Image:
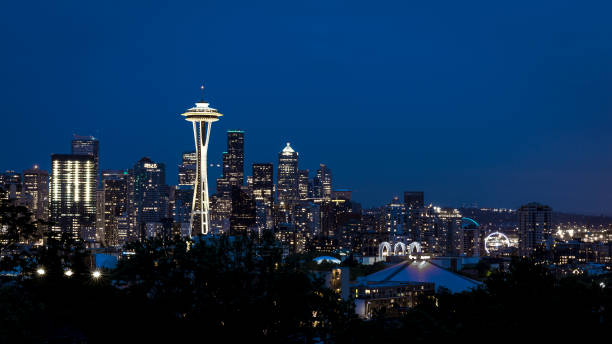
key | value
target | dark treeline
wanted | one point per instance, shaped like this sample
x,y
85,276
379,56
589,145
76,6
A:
x,y
174,290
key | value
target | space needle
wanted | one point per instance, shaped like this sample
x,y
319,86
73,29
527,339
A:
x,y
201,116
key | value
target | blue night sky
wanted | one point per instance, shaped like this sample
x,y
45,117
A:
x,y
499,103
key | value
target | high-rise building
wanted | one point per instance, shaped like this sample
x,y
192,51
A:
x,y
115,191
148,196
303,184
448,231
202,116
324,177
36,189
535,227
287,176
73,195
263,183
243,215
187,169
414,199
234,171
263,193
183,194
472,238
395,215
87,145
224,188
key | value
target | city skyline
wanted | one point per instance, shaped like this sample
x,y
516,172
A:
x,y
538,135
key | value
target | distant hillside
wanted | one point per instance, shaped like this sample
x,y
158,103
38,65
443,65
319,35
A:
x,y
505,219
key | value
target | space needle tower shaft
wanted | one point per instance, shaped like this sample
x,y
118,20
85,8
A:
x,y
201,116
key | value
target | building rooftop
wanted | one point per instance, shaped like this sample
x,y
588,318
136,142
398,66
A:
x,y
423,271
288,149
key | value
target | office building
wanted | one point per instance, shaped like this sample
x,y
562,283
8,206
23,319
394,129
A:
x,y
243,217
115,200
36,191
263,183
73,195
187,169
234,171
148,196
303,184
87,145
287,176
324,177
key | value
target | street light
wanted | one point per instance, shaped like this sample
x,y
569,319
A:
x,y
40,271
68,273
96,274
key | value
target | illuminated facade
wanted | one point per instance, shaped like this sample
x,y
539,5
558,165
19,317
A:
x,y
201,116
263,183
87,145
287,183
73,195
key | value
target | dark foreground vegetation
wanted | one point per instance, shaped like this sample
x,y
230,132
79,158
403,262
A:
x,y
224,289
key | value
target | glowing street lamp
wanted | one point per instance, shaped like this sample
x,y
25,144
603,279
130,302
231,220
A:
x,y
68,273
40,271
96,274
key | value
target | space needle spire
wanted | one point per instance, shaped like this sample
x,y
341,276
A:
x,y
201,116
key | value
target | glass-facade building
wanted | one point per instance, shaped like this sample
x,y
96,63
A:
x,y
73,195
287,176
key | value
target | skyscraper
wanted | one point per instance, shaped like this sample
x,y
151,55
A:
x,y
287,176
187,169
324,176
243,214
36,189
149,196
303,184
73,195
263,194
395,215
263,183
87,145
202,116
115,189
535,227
234,171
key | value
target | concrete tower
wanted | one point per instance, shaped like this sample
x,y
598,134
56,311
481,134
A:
x,y
201,116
